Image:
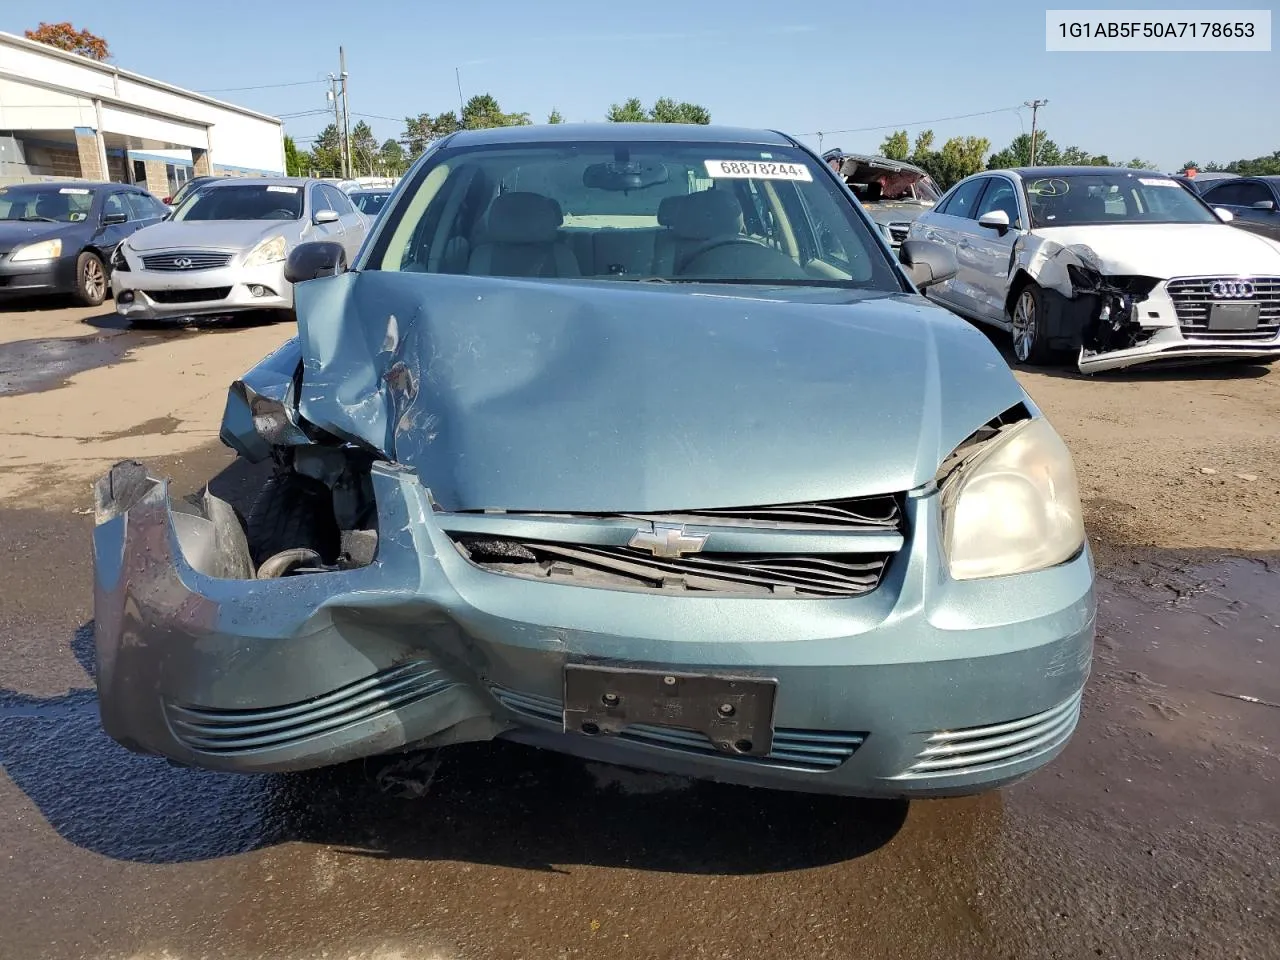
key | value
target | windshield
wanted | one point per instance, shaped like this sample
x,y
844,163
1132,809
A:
x,y
51,204
1102,198
369,202
247,201
673,211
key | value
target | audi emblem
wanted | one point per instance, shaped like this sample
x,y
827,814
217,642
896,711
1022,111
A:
x,y
1231,289
183,263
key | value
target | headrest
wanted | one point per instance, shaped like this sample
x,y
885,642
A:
x,y
523,218
54,205
872,192
702,215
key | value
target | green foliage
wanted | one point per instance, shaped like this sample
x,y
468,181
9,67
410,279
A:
x,y
664,110
392,159
296,163
554,116
896,146
424,129
1257,167
326,153
482,111
364,149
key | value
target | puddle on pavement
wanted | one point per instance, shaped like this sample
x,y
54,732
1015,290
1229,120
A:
x,y
33,366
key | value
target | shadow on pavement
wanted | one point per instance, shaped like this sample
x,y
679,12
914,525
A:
x,y
491,803
231,321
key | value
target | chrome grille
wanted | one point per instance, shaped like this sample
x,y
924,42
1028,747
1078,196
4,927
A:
x,y
974,749
813,750
1192,299
186,260
211,730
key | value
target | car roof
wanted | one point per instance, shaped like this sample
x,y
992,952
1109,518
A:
x,y
265,181
1039,173
628,132
70,184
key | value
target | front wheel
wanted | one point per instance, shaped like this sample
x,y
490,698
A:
x,y
91,280
1030,336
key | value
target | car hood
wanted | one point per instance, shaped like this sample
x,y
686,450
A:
x,y
1164,250
614,397
15,233
215,234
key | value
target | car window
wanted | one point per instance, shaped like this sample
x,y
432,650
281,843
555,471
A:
x,y
59,204
1001,195
672,210
1103,198
1234,193
338,201
242,201
320,199
964,200
114,205
370,203
140,206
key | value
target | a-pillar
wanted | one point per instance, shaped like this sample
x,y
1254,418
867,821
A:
x,y
90,154
202,162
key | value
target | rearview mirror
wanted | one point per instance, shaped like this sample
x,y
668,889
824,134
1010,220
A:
x,y
311,261
994,220
325,216
620,175
113,218
927,263
1264,205
1226,216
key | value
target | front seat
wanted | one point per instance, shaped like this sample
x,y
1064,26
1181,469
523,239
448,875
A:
x,y
691,221
55,206
521,238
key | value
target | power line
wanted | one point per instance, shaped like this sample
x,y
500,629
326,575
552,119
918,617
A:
x,y
263,86
914,123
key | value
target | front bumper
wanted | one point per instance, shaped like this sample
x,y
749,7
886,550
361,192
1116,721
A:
x,y
926,686
34,278
158,295
1168,345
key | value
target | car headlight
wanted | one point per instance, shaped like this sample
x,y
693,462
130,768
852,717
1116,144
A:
x,y
44,250
118,262
1014,506
270,250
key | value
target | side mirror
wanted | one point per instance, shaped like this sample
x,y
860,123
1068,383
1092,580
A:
x,y
927,263
311,261
325,216
1264,205
113,218
1226,216
994,220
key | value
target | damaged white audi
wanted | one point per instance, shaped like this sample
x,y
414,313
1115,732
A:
x,y
1116,268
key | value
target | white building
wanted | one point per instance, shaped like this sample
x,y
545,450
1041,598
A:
x,y
64,115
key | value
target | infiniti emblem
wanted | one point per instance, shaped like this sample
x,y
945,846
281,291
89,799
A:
x,y
667,540
1231,289
182,263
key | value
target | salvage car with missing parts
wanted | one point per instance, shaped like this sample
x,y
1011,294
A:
x,y
633,442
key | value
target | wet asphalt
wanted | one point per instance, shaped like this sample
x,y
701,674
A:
x,y
1156,834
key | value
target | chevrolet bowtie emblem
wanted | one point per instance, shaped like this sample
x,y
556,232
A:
x,y
667,540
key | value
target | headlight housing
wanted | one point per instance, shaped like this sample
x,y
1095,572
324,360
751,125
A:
x,y
1013,506
270,250
41,250
118,263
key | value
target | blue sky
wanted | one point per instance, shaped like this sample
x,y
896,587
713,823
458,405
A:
x,y
765,63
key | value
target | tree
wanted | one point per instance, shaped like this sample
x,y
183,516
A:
x,y
554,116
1257,167
364,148
296,163
482,111
924,145
326,152
896,146
392,158
1018,153
664,110
66,37
421,131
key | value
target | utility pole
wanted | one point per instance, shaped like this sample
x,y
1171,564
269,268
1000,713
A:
x,y
1034,105
349,163
458,77
337,121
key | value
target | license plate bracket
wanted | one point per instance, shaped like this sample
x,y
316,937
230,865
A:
x,y
1233,316
734,713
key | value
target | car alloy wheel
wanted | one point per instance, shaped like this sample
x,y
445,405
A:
x,y
1025,326
93,280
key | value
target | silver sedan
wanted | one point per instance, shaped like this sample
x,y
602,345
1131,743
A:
x,y
223,250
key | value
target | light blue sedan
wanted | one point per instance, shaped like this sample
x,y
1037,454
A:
x,y
632,442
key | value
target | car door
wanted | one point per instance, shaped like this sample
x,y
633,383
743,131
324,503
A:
x,y
113,223
354,225
952,224
144,210
333,230
1253,205
990,249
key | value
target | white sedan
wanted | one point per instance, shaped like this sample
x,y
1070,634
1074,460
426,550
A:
x,y
1116,267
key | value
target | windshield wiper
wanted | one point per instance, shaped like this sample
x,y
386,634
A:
x,y
39,219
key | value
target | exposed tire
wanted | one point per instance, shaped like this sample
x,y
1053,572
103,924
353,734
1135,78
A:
x,y
1030,338
91,280
293,512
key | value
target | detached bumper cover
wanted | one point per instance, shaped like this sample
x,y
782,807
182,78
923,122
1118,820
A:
x,y
923,687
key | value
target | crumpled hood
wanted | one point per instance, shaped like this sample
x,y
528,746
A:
x,y
615,397
16,233
213,234
896,211
1164,250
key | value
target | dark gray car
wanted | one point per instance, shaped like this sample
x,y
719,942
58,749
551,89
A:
x,y
1254,202
893,192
